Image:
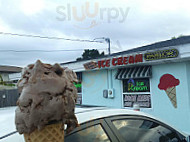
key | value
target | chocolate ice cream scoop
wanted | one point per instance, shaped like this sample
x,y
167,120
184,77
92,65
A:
x,y
47,94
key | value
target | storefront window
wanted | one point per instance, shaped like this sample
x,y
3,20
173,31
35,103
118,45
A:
x,y
78,85
79,92
137,91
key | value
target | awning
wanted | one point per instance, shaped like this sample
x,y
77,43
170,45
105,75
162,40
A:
x,y
134,72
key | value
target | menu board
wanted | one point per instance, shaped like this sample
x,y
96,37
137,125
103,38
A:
x,y
143,100
136,85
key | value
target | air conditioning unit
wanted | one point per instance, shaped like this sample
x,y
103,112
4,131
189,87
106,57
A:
x,y
110,93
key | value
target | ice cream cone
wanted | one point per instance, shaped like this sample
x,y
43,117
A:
x,y
171,92
51,133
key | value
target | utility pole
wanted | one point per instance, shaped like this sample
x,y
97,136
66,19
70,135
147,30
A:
x,y
109,71
108,41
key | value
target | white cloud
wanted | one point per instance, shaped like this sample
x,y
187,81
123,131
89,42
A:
x,y
30,7
157,6
147,22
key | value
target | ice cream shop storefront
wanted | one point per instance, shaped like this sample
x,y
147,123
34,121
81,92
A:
x,y
157,79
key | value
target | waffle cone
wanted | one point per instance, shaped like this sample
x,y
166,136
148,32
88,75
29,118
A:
x,y
51,133
171,92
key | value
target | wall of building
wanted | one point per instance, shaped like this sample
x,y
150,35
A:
x,y
93,84
162,107
188,80
14,76
5,76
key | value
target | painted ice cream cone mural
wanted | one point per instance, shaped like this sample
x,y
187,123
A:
x,y
168,83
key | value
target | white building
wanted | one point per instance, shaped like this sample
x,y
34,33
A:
x,y
9,75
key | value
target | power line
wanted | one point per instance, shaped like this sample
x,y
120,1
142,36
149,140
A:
x,y
46,50
54,38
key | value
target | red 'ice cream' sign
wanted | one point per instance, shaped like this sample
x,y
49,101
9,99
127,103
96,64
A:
x,y
120,61
116,61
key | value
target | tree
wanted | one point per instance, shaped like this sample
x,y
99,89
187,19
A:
x,y
181,35
90,54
